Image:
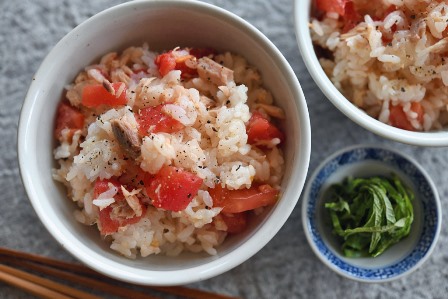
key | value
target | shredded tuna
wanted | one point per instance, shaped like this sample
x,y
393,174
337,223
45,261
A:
x,y
127,137
108,86
132,200
212,71
271,110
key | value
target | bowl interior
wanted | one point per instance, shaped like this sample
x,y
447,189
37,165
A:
x,y
162,25
302,11
402,257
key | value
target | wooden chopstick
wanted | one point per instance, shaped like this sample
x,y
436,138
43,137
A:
x,y
191,293
62,289
30,287
43,264
48,261
77,279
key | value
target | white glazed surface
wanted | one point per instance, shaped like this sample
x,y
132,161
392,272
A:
x,y
368,168
132,24
302,16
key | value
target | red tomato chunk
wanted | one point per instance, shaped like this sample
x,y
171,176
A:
x,y
337,6
398,118
236,223
237,201
344,8
351,17
152,119
170,60
96,95
68,117
102,186
258,128
172,188
110,222
166,63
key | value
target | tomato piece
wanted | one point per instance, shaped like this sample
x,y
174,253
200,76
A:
x,y
165,62
68,117
236,222
172,188
109,222
351,17
102,186
96,95
337,6
398,118
169,61
152,119
186,72
344,8
237,201
106,224
259,128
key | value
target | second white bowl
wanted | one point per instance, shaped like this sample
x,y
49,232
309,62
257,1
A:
x,y
302,14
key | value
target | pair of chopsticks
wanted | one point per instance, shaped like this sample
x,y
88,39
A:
x,y
14,267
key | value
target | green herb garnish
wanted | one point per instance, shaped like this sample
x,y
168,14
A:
x,y
370,214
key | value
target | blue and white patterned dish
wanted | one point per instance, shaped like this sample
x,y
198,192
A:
x,y
364,161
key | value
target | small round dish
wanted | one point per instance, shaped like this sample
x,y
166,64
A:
x,y
366,161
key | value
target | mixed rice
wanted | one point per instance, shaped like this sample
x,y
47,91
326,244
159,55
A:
x,y
168,152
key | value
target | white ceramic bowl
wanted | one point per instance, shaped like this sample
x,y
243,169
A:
x,y
302,17
366,161
163,25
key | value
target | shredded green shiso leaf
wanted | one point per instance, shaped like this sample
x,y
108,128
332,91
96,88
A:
x,y
370,214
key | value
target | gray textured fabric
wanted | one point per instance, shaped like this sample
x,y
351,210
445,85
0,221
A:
x,y
286,267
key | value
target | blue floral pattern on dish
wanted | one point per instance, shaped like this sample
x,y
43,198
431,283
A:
x,y
430,219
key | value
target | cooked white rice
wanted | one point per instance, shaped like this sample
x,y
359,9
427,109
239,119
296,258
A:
x,y
395,55
213,145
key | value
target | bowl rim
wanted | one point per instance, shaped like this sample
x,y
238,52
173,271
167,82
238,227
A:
x,y
302,11
223,263
306,220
